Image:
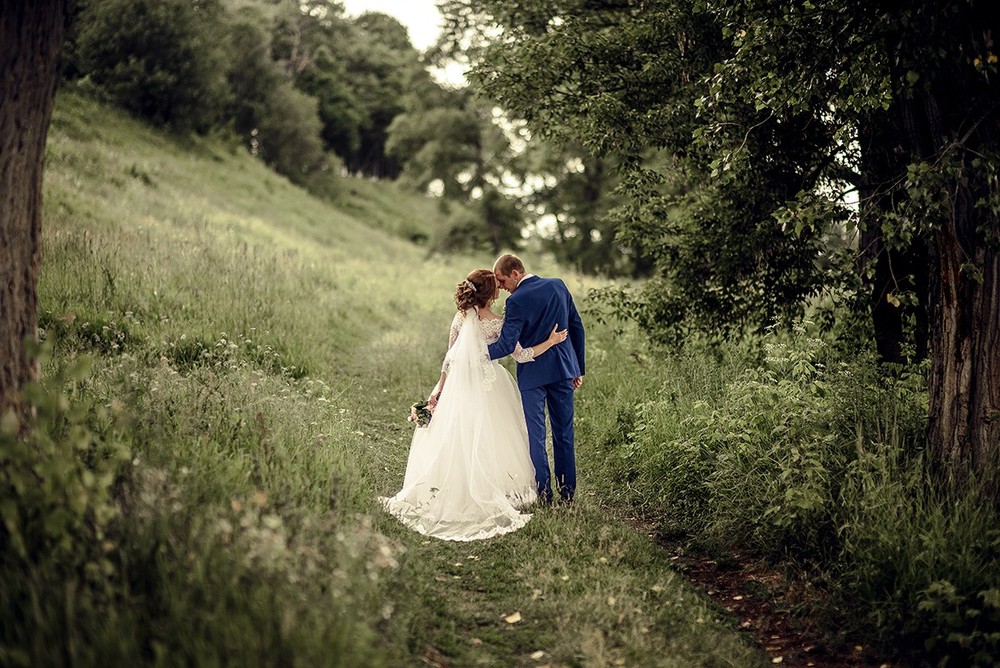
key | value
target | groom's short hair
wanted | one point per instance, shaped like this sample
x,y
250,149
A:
x,y
508,263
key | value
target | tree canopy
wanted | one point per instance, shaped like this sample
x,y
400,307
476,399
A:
x,y
771,154
305,87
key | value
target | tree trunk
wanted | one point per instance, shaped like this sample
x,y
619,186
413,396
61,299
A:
x,y
889,272
953,124
31,37
887,316
964,426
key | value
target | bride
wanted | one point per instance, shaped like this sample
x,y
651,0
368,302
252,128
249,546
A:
x,y
469,472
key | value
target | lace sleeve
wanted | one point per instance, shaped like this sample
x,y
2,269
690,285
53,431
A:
x,y
456,326
523,355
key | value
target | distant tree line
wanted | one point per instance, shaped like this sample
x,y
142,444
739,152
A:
x,y
303,86
313,92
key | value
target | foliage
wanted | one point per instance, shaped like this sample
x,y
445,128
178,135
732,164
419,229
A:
x,y
259,442
56,536
265,348
962,625
359,71
73,450
305,88
757,142
570,206
275,120
630,88
921,560
813,459
342,115
161,60
288,134
453,141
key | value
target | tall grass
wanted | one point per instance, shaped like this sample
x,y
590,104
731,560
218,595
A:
x,y
227,368
815,462
230,364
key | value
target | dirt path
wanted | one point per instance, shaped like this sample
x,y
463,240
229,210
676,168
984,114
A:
x,y
771,611
768,609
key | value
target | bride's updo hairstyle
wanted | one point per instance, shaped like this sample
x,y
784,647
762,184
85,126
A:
x,y
478,289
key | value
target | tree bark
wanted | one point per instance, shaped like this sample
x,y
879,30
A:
x,y
964,425
31,37
953,123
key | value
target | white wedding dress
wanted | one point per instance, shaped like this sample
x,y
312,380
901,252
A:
x,y
469,471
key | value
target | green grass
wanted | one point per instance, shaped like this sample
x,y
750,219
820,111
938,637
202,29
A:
x,y
260,349
815,463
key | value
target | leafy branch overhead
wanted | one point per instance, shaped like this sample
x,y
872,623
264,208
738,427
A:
x,y
778,157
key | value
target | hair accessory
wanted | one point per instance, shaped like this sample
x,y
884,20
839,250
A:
x,y
470,284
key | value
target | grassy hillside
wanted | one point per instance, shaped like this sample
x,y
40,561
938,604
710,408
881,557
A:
x,y
254,353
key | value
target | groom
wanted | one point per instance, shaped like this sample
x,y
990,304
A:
x,y
533,307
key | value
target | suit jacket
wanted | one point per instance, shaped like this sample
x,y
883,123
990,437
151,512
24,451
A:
x,y
535,306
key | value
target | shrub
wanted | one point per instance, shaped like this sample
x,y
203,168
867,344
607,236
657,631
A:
x,y
755,465
288,133
818,462
159,59
918,565
56,508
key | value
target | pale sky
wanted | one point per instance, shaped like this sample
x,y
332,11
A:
x,y
421,17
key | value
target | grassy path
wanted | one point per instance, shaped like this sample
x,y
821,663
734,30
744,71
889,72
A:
x,y
265,347
576,586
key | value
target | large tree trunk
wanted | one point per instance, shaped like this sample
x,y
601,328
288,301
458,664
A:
x,y
953,124
879,168
31,36
964,427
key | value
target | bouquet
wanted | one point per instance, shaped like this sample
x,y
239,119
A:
x,y
420,414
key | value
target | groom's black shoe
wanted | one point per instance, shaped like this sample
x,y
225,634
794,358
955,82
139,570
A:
x,y
566,495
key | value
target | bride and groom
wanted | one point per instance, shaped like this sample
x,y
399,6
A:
x,y
482,458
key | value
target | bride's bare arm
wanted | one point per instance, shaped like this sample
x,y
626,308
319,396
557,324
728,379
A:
x,y
432,398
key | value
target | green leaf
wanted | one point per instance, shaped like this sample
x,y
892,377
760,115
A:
x,y
991,598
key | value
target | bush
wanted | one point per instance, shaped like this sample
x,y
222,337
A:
x,y
159,59
777,464
108,559
755,466
287,136
56,510
818,463
919,564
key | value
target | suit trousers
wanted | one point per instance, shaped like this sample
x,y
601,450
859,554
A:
x,y
558,398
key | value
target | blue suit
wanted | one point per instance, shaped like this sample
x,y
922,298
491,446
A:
x,y
532,310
